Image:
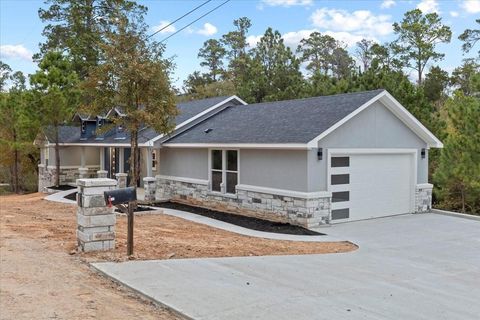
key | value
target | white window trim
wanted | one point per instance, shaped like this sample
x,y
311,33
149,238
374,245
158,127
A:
x,y
224,171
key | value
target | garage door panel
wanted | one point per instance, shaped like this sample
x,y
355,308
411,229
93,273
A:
x,y
380,185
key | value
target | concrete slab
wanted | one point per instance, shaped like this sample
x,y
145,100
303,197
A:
x,y
408,267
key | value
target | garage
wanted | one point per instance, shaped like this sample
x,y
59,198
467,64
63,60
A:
x,y
371,183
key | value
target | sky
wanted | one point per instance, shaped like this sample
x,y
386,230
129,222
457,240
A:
x,y
348,21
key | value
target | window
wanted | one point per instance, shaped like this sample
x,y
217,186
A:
x,y
154,160
340,214
217,170
224,170
84,126
340,162
340,179
232,170
340,196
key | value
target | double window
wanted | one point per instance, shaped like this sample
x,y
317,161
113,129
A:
x,y
224,170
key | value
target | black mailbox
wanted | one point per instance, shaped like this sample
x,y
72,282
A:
x,y
120,196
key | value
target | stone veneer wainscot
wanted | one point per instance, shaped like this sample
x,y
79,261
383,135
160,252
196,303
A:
x,y
306,210
68,176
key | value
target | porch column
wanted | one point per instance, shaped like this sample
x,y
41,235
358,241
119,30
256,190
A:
x,y
121,160
82,157
102,158
149,162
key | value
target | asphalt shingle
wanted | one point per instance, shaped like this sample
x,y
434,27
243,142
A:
x,y
292,121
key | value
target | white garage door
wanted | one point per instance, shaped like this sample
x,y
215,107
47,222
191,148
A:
x,y
368,186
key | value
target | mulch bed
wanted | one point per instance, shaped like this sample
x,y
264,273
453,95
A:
x,y
242,221
62,187
71,196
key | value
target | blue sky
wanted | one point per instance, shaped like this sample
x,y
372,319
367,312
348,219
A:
x,y
349,21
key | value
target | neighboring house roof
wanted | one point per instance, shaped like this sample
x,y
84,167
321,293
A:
x,y
296,123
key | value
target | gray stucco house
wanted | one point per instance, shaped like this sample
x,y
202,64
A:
x,y
309,161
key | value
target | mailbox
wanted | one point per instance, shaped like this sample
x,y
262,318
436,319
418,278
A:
x,y
120,196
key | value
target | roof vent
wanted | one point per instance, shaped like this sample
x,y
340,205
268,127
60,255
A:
x,y
207,130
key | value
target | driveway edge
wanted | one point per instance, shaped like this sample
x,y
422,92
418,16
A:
x,y
456,214
139,293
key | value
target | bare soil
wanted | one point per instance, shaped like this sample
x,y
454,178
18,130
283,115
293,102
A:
x,y
43,277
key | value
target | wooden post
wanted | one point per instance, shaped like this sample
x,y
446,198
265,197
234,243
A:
x,y
130,215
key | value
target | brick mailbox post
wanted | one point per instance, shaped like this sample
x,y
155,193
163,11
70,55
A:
x,y
95,221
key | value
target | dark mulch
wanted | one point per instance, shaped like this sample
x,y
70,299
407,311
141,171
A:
x,y
242,221
62,187
71,196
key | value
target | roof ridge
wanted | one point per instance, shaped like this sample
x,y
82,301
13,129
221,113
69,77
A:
x,y
316,97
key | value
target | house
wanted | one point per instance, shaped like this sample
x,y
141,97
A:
x,y
309,161
84,152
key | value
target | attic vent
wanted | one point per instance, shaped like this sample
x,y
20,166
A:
x,y
208,130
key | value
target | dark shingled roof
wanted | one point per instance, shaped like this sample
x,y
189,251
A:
x,y
187,109
292,121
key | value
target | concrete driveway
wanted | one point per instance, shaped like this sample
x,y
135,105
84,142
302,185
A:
x,y
408,267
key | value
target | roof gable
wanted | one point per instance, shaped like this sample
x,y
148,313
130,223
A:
x,y
281,122
397,109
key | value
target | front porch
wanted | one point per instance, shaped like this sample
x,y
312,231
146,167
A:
x,y
91,162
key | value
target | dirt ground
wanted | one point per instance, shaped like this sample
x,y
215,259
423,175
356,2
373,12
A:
x,y
42,276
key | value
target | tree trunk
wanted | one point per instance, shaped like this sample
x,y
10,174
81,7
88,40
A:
x,y
134,159
57,158
15,163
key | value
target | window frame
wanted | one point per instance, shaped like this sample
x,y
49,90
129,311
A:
x,y
154,160
224,170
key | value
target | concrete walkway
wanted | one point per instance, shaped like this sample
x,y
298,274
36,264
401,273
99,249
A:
x,y
408,267
60,196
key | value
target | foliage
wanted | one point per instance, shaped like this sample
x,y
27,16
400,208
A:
x,y
418,34
457,176
470,37
55,95
133,77
77,28
212,54
18,127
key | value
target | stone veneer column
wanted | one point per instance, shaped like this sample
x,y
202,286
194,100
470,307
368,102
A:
x,y
122,180
150,188
95,221
423,197
102,174
82,173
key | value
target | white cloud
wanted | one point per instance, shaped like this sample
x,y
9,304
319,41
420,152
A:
x,y
361,22
428,6
387,4
18,51
471,6
287,3
348,38
454,14
208,29
163,24
293,38
253,40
